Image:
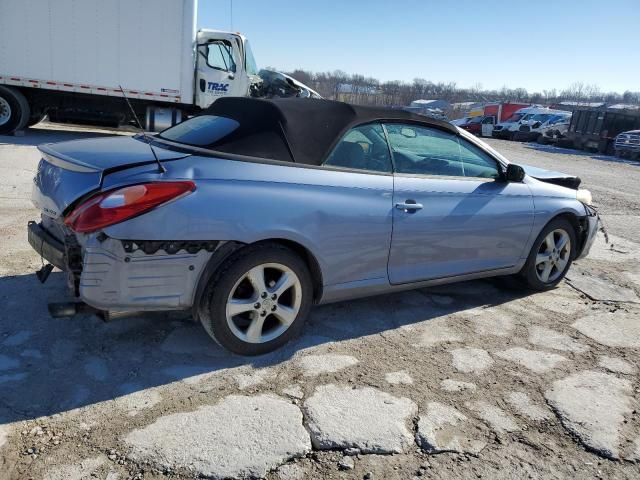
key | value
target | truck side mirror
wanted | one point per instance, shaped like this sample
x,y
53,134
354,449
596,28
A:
x,y
515,173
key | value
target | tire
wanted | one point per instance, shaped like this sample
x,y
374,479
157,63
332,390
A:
x,y
533,273
542,140
14,110
264,324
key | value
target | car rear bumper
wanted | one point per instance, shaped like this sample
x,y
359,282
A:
x,y
46,245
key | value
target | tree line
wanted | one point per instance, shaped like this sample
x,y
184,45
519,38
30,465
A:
x,y
361,90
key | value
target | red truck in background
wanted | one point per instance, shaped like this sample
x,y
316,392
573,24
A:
x,y
493,114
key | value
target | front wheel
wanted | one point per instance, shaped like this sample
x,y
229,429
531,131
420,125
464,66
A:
x,y
551,256
259,300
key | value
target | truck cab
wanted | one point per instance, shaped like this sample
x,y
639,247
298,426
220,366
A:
x,y
225,67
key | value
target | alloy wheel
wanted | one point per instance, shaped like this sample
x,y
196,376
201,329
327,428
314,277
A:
x,y
5,111
553,256
264,303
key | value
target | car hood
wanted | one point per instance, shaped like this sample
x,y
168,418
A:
x,y
550,176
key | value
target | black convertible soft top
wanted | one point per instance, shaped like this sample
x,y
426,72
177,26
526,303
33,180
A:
x,y
308,128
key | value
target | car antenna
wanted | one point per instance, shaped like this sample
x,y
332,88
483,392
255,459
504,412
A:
x,y
144,135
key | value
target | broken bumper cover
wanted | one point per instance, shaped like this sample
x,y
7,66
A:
x,y
593,221
114,279
47,246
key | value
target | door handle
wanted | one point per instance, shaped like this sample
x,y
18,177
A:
x,y
409,206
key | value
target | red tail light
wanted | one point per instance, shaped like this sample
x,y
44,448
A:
x,y
115,206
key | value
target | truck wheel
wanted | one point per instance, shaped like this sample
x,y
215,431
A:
x,y
14,110
258,300
551,256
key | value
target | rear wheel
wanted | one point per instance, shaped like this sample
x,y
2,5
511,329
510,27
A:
x,y
551,256
259,300
14,110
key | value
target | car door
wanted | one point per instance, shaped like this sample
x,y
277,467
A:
x,y
219,71
487,126
453,213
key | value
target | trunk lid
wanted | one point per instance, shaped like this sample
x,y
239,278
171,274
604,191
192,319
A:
x,y
70,170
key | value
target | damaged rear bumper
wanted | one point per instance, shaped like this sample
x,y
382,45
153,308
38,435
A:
x,y
592,222
46,245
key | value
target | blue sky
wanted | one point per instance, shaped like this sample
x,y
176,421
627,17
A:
x,y
536,44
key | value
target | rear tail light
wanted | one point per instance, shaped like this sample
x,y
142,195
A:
x,y
115,206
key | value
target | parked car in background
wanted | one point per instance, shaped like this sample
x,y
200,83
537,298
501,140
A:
x,y
556,133
473,125
538,124
627,145
253,211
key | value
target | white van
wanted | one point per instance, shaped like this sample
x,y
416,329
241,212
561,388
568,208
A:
x,y
538,124
512,124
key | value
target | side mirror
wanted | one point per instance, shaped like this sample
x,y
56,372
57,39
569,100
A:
x,y
515,173
536,125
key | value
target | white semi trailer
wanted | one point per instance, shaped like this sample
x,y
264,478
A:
x,y
68,59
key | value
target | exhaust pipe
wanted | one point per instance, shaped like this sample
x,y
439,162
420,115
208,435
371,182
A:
x,y
69,309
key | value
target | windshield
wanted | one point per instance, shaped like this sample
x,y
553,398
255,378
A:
x,y
541,117
250,62
476,119
516,117
201,131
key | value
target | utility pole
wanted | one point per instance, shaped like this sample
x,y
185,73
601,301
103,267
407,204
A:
x,y
231,15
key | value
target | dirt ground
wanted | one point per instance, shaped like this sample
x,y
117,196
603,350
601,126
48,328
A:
x,y
474,380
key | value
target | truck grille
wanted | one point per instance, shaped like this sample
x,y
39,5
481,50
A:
x,y
628,141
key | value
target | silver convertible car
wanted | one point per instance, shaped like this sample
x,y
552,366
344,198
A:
x,y
257,209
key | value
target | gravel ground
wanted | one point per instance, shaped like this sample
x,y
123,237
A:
x,y
475,380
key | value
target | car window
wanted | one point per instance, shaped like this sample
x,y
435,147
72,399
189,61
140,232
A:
x,y
201,131
429,151
362,148
219,56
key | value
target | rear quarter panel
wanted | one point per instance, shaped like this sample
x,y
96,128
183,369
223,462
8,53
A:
x,y
342,218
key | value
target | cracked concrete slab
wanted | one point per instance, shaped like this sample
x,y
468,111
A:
x,y
601,289
444,429
340,417
240,436
522,404
616,365
618,329
499,420
490,322
545,337
534,360
313,365
593,406
438,331
471,360
400,377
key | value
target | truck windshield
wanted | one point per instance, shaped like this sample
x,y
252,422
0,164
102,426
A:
x,y
250,62
516,117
